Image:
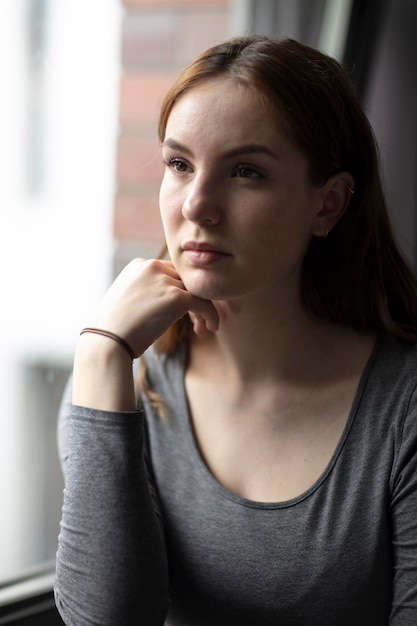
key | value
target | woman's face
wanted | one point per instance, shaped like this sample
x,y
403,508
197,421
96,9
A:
x,y
236,201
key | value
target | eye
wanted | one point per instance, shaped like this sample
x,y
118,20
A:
x,y
246,171
176,164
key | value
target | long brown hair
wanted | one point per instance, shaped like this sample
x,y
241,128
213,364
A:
x,y
357,275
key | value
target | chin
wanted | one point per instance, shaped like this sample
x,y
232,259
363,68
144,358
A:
x,y
209,290
204,287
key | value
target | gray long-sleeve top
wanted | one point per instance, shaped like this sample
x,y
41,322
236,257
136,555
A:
x,y
139,540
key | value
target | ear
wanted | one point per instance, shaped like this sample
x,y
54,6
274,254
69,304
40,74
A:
x,y
336,195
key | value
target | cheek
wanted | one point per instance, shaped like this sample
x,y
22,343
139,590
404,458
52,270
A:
x,y
282,239
163,197
169,207
171,218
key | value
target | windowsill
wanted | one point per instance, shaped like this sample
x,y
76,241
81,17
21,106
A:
x,y
34,583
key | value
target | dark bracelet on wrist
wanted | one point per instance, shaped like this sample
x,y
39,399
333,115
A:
x,y
110,335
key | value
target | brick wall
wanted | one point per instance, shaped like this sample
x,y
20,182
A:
x,y
159,37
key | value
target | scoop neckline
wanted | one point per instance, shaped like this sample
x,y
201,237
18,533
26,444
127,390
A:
x,y
205,472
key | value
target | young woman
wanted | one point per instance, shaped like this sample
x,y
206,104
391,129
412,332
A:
x,y
262,469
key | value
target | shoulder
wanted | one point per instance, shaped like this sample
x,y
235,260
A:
x,y
395,361
164,373
397,389
387,395
390,384
161,365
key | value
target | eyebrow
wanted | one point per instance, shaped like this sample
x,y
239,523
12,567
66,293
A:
x,y
251,148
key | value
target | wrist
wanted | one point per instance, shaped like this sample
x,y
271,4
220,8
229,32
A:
x,y
110,335
103,375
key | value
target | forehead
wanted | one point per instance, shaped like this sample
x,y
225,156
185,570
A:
x,y
224,107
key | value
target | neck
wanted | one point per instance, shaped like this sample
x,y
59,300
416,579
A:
x,y
279,342
271,340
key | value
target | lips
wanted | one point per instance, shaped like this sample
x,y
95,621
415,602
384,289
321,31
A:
x,y
201,246
201,253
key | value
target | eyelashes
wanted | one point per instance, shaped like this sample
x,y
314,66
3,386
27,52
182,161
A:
x,y
176,164
248,172
180,166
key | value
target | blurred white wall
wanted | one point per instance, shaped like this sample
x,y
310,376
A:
x,y
58,119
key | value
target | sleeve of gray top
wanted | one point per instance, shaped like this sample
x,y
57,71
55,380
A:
x,y
111,561
403,512
62,433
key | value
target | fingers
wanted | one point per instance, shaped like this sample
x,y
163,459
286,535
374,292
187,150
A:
x,y
146,298
205,322
206,317
199,325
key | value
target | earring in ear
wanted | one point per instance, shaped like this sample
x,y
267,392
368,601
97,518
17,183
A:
x,y
352,191
326,233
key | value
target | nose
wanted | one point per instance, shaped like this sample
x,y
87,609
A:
x,y
201,203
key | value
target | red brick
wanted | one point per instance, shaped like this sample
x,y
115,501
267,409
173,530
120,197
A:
x,y
200,30
140,98
148,40
138,218
138,160
158,38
